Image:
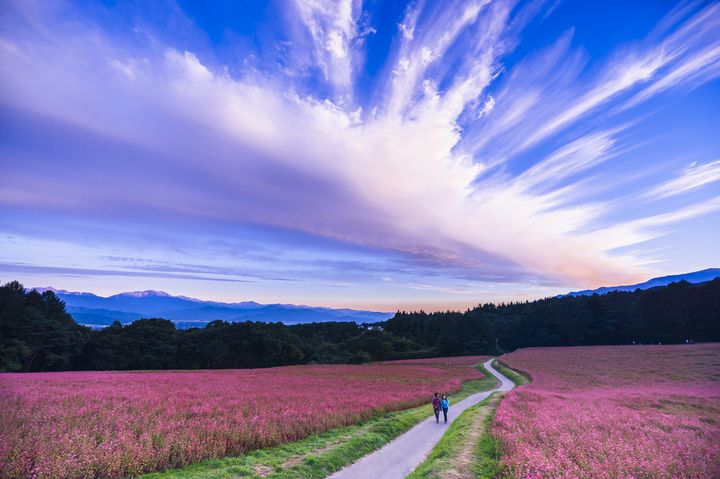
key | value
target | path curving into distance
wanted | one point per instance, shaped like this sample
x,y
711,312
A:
x,y
401,456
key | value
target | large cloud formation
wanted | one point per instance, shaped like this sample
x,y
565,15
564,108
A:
x,y
454,158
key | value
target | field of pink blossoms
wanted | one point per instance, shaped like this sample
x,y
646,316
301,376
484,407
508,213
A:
x,y
625,412
118,424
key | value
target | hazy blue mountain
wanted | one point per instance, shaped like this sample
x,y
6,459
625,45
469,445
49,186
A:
x,y
98,311
695,277
100,317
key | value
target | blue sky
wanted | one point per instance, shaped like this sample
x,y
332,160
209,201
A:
x,y
382,155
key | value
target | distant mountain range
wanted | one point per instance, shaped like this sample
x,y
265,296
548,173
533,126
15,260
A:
x,y
695,277
97,311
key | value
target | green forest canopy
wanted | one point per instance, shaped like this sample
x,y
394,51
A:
x,y
37,334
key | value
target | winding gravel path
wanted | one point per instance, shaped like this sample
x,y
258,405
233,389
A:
x,y
400,457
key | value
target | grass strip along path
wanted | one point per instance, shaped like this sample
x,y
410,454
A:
x,y
468,450
401,456
319,455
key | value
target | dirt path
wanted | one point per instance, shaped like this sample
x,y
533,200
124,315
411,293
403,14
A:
x,y
400,457
461,464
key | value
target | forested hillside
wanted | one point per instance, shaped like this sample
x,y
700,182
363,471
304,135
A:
x,y
37,334
669,314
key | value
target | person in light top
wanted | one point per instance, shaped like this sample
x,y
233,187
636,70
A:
x,y
445,404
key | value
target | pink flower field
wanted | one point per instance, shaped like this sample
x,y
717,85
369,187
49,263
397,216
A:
x,y
118,424
625,412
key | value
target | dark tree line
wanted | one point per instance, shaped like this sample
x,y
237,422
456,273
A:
x,y
37,334
156,344
670,314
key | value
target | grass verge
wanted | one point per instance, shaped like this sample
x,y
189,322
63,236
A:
x,y
487,452
456,455
319,455
468,449
518,377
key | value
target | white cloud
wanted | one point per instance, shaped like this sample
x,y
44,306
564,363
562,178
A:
x,y
487,107
688,56
693,177
569,160
699,68
401,179
429,42
130,68
332,26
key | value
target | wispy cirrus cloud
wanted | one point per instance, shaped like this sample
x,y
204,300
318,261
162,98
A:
x,y
333,27
14,268
693,177
463,163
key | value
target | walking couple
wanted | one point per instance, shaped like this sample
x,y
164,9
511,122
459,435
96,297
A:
x,y
439,404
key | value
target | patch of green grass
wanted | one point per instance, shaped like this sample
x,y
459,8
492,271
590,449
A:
x,y
519,378
487,451
485,458
319,455
445,453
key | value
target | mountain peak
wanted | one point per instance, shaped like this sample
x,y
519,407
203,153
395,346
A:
x,y
187,312
144,294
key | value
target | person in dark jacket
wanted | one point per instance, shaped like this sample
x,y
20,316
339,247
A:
x,y
445,404
437,405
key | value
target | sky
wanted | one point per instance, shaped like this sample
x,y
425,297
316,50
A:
x,y
377,154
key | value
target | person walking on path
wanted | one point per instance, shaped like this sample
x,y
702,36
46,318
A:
x,y
445,404
436,404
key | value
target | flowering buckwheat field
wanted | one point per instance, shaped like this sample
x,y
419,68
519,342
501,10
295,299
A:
x,y
116,424
627,412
